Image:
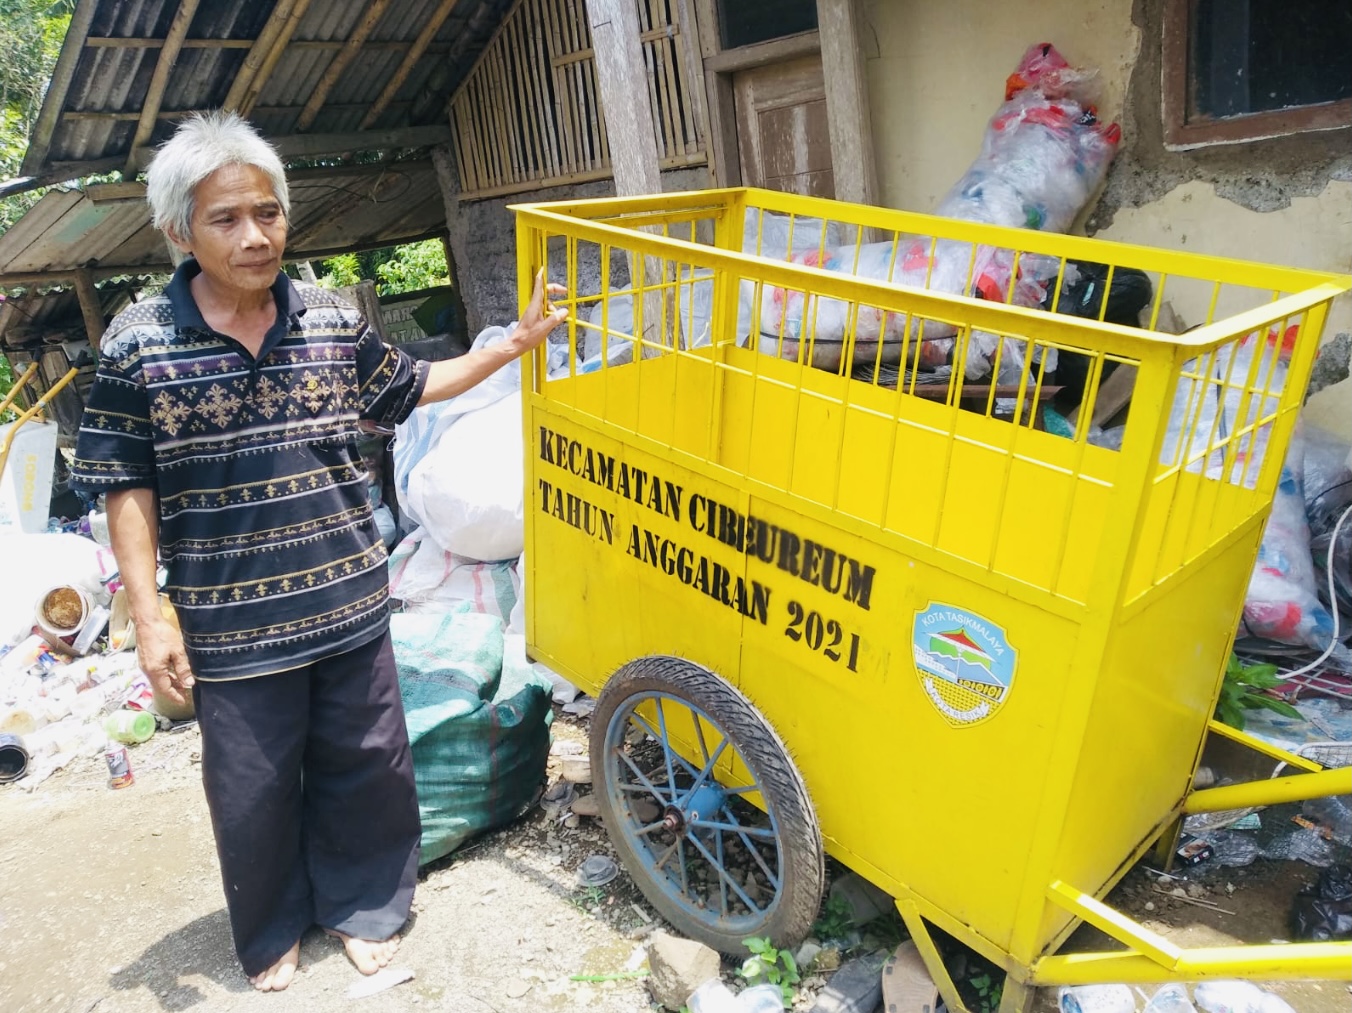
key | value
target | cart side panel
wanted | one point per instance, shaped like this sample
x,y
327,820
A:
x,y
1154,696
905,780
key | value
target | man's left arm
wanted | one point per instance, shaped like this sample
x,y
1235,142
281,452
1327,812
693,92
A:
x,y
447,378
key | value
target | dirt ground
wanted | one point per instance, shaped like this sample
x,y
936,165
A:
x,y
110,901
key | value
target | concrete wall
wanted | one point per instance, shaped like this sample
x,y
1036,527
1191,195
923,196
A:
x,y
483,240
936,72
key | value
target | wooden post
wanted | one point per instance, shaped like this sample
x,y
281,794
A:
x,y
847,106
623,81
624,90
90,307
458,259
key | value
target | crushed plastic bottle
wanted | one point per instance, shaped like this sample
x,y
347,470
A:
x,y
712,997
1171,998
1096,999
1238,997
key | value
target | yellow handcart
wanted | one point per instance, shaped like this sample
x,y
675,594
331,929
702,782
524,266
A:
x,y
803,514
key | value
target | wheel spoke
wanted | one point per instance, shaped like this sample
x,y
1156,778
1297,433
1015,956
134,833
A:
x,y
722,886
699,734
646,783
685,873
644,831
666,745
735,828
708,769
755,852
725,876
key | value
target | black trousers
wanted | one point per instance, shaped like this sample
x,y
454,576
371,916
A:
x,y
309,780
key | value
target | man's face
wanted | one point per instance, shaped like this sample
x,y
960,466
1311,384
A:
x,y
238,229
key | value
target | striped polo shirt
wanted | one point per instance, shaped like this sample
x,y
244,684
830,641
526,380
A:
x,y
265,527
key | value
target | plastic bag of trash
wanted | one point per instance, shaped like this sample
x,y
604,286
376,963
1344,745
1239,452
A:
x,y
1325,912
416,436
1282,601
479,729
428,579
1223,392
1043,154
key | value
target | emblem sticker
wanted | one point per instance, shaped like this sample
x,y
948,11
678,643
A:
x,y
965,663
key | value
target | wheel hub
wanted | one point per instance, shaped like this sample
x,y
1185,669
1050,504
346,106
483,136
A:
x,y
700,804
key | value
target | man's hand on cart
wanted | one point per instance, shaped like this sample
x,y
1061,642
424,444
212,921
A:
x,y
450,377
541,316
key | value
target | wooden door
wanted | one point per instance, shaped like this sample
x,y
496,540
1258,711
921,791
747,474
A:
x,y
783,138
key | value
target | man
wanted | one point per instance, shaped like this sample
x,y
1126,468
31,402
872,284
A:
x,y
222,426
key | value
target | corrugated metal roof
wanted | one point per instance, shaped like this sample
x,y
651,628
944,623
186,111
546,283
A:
x,y
89,120
102,83
332,209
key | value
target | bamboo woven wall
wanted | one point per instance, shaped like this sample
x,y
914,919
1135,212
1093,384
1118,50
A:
x,y
529,114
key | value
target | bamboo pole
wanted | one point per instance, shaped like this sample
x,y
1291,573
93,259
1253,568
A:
x,y
258,51
340,62
410,60
272,56
159,80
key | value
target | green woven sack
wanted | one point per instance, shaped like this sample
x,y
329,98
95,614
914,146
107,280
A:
x,y
480,734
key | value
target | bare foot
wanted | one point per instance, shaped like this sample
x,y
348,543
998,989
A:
x,y
279,975
368,955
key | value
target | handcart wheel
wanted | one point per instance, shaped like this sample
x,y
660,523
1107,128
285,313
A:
x,y
720,837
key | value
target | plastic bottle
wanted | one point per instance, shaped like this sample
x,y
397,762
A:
x,y
1170,998
129,726
713,997
761,999
1238,997
1096,999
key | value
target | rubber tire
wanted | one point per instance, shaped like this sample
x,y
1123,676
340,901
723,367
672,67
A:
x,y
803,862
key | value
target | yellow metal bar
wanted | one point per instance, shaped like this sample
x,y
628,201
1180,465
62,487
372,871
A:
x,y
1266,748
1174,262
1116,924
929,953
27,416
1034,324
1271,962
18,386
1295,788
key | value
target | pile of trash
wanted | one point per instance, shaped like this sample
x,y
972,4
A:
x,y
70,685
1212,996
478,711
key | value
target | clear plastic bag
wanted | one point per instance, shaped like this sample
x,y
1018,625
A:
x,y
1043,155
1303,845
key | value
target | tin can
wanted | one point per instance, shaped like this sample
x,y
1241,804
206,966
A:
x,y
119,766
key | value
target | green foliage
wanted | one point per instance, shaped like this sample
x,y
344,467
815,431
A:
x,y
988,991
31,32
835,921
341,271
767,963
1246,688
395,270
413,267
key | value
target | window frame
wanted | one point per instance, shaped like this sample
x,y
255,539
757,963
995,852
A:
x,y
1180,134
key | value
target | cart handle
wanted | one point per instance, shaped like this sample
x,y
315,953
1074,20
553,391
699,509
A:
x,y
1152,958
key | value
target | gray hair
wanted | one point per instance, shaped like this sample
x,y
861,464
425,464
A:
x,y
203,143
